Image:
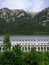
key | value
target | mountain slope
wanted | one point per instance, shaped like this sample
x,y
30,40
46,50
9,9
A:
x,y
20,22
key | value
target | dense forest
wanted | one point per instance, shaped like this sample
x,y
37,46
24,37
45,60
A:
x,y
20,22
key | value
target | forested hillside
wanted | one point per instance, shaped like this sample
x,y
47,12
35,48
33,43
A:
x,y
20,22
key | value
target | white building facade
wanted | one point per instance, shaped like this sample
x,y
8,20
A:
x,y
27,42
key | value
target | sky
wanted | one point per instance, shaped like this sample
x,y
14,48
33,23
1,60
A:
x,y
27,5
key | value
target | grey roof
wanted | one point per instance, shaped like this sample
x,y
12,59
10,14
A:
x,y
1,38
27,37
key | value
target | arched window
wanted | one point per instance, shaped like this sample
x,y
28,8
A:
x,y
47,48
25,48
28,47
39,48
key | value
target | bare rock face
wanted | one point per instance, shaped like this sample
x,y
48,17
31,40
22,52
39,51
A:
x,y
43,15
12,15
20,15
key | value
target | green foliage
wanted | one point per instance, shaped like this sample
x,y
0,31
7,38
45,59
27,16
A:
x,y
8,58
17,49
32,57
6,42
17,57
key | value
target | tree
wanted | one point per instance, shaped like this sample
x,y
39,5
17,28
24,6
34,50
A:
x,y
19,55
17,49
32,57
8,58
6,42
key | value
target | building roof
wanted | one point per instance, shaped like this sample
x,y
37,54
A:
x,y
27,37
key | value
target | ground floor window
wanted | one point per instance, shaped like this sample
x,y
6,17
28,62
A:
x,y
44,48
28,47
39,48
0,48
47,48
23,48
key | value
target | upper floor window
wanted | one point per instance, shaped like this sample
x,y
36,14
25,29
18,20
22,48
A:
x,y
34,43
25,43
20,43
41,43
44,43
31,43
16,40
38,43
48,43
28,43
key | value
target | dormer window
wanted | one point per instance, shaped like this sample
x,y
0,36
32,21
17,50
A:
x,y
13,40
20,40
25,40
34,39
16,40
28,40
38,40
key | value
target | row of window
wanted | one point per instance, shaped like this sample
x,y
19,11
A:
x,y
34,43
43,48
32,40
39,49
28,48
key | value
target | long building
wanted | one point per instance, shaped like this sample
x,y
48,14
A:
x,y
27,42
